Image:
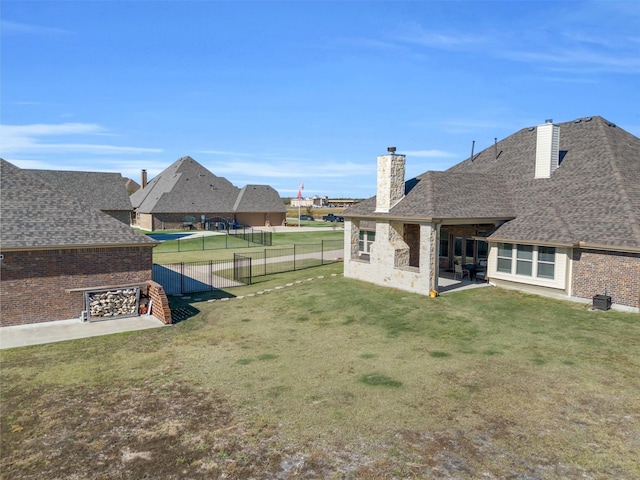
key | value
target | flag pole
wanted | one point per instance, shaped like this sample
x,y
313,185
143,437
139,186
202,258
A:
x,y
300,188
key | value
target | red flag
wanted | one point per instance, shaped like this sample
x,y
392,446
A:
x,y
300,188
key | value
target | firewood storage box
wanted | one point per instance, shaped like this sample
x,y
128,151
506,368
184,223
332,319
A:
x,y
112,303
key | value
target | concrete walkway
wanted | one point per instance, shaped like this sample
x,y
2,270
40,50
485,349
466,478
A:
x,y
61,330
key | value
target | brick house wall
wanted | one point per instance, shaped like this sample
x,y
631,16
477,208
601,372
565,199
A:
x,y
595,271
35,284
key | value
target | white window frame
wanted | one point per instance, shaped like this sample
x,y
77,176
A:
x,y
365,238
534,261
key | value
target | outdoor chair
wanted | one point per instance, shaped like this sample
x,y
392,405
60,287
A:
x,y
458,270
481,273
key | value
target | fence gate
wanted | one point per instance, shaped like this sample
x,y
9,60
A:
x,y
242,268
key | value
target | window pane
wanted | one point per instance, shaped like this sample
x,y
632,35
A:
x,y
469,250
504,249
483,249
504,265
546,254
546,270
458,247
361,246
372,236
524,267
525,252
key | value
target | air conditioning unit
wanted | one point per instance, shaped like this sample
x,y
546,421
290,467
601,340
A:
x,y
601,302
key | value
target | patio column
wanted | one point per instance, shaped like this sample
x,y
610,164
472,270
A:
x,y
429,234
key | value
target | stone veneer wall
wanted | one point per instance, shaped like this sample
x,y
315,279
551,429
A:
x,y
44,285
595,271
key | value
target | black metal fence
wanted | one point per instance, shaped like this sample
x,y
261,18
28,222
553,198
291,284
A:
x,y
194,277
243,237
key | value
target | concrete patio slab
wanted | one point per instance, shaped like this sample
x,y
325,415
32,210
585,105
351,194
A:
x,y
61,330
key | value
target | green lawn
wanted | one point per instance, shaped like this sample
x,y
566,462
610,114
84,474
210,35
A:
x,y
308,377
222,247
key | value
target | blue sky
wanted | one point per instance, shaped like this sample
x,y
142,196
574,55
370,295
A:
x,y
280,93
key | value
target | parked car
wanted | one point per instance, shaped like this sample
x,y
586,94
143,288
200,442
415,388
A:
x,y
307,217
333,218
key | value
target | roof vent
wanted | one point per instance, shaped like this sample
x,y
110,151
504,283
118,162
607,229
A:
x,y
588,119
391,149
577,121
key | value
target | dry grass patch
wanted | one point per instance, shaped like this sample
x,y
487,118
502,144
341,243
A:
x,y
333,378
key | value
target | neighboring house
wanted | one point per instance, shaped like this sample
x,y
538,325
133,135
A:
x,y
55,248
552,209
186,194
131,185
103,191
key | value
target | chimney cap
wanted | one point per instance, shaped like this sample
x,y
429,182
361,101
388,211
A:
x,y
549,120
391,149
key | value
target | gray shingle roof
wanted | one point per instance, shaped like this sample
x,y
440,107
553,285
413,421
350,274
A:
x,y
104,191
34,214
258,198
187,186
593,197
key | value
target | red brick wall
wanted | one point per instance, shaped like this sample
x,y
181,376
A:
x,y
34,284
595,271
160,306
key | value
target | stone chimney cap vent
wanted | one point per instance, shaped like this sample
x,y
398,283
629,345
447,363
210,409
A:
x,y
391,149
549,120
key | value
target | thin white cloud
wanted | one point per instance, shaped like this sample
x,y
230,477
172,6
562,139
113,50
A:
x,y
16,140
288,169
8,27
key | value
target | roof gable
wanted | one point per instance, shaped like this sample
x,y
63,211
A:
x,y
185,186
259,198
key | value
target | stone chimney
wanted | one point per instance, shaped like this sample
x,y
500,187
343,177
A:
x,y
143,180
390,188
547,149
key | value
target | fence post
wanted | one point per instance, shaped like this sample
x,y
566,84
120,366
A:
x,y
203,241
294,257
181,277
321,252
210,274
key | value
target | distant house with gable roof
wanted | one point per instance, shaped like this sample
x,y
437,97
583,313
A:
x,y
187,194
552,209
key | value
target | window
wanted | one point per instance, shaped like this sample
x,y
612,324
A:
x,y
468,253
546,262
531,261
365,240
524,262
505,254
483,250
457,249
444,243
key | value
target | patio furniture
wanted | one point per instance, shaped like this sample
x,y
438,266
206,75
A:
x,y
481,271
458,270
